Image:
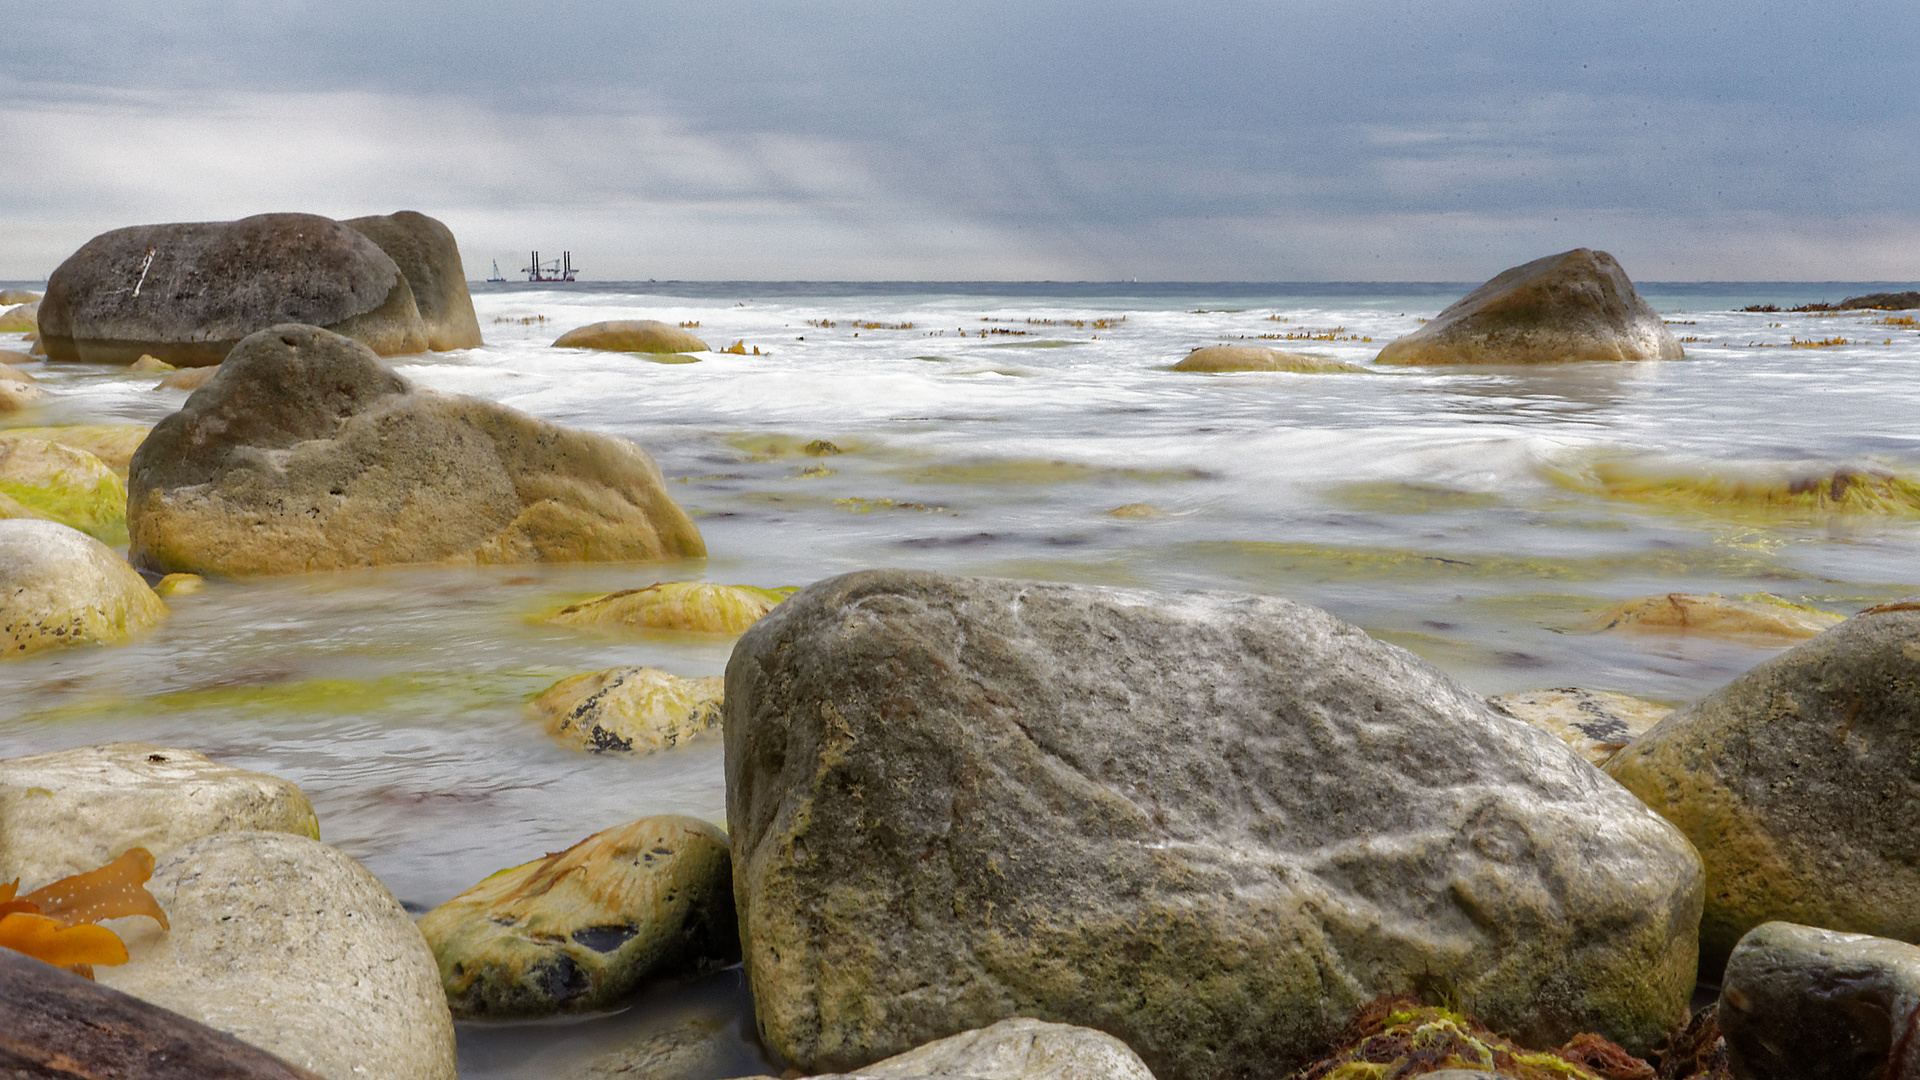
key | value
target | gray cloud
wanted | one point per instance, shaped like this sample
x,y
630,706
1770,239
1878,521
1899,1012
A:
x,y
1232,140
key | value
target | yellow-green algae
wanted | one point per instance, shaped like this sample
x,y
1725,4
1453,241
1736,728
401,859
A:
x,y
1334,562
767,446
425,694
1802,491
1397,1037
1400,497
691,606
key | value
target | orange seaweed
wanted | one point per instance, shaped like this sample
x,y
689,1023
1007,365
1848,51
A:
x,y
116,889
45,939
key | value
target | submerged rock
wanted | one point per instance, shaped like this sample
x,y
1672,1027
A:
x,y
63,484
427,254
179,584
17,390
1882,301
1597,723
17,296
1758,616
73,810
113,444
1799,1003
9,356
579,930
629,709
697,1047
190,379
20,318
1574,306
149,365
1137,512
1219,358
631,335
60,587
306,452
1796,783
209,284
696,606
1018,1048
292,946
1209,824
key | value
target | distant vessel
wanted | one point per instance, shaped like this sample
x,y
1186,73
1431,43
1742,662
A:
x,y
559,270
496,272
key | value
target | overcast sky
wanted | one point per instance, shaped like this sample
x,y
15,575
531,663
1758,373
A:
x,y
1331,140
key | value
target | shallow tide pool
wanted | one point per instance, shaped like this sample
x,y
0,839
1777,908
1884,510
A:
x,y
1479,517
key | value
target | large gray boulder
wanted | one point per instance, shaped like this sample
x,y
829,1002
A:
x,y
306,452
1577,305
1208,824
1799,783
1800,1003
210,283
427,254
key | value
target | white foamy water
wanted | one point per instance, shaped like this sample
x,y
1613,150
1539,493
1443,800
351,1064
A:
x,y
1444,510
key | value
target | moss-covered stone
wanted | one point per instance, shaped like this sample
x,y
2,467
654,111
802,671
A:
x,y
60,483
693,606
111,443
60,587
581,929
629,709
633,336
1775,491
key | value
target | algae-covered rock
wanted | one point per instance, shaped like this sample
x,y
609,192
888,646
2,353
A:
x,y
150,365
20,318
1808,489
113,444
581,929
1759,616
60,587
427,254
1574,306
1597,723
1397,1036
1137,512
179,584
61,483
1019,1048
306,452
1796,783
187,293
73,810
190,379
695,606
18,296
1219,358
633,336
1208,824
290,945
629,709
1800,1003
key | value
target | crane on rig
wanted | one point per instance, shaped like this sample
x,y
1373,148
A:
x,y
557,270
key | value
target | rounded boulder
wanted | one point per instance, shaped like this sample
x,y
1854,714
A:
x,y
60,587
188,293
306,452
1223,358
629,710
427,254
631,335
1574,306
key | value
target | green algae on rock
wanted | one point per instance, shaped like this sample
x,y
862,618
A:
x,y
306,452
1209,824
629,710
1215,359
64,484
1796,784
581,929
61,587
633,336
1786,490
72,810
111,443
693,606
20,317
1755,616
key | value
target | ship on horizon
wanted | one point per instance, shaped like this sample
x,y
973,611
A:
x,y
560,270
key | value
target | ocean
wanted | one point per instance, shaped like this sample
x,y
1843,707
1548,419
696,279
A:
x,y
1480,517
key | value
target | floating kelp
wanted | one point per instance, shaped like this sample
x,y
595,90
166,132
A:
x,y
696,606
55,923
1805,489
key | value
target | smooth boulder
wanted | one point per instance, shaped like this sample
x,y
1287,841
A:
x,y
631,335
1206,823
307,452
580,930
427,254
699,607
61,587
20,319
64,484
1018,1048
1223,358
69,811
17,296
1597,723
632,710
1574,306
113,444
188,293
17,390
1801,1003
1797,783
288,944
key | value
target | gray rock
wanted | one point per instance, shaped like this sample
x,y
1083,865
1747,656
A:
x,y
1799,782
71,811
306,452
286,943
1882,301
1014,1049
691,1048
1577,305
211,283
1211,825
1800,1003
427,254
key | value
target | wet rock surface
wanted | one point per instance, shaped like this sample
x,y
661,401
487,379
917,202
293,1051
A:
x,y
306,452
209,284
579,930
1218,358
1712,615
1800,1003
631,335
1014,1049
1796,783
633,710
291,946
1209,824
428,255
1574,306
699,607
61,587
1597,723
